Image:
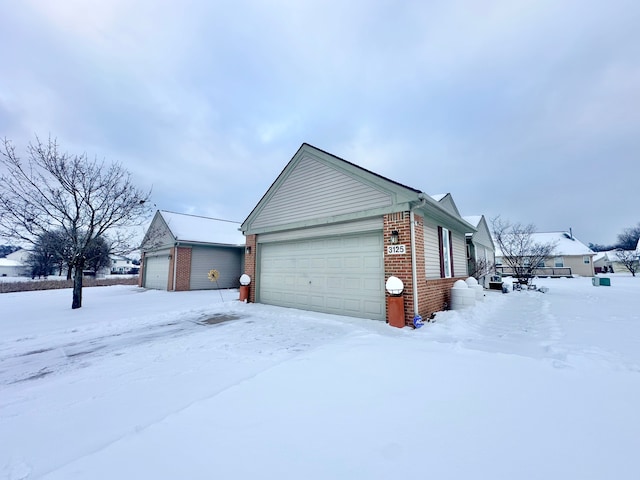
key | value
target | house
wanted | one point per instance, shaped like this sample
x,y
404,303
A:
x,y
569,257
180,251
122,265
609,261
481,251
15,264
328,234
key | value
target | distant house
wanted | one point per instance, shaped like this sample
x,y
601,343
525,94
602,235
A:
x,y
122,265
179,251
609,262
570,257
15,264
328,234
481,251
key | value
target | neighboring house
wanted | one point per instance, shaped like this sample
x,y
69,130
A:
x,y
328,234
12,268
15,264
179,251
122,265
608,262
570,257
481,251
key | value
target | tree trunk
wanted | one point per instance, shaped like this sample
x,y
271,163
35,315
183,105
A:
x,y
77,287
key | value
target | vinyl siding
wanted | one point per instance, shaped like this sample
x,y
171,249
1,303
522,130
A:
x,y
323,231
431,250
459,254
317,191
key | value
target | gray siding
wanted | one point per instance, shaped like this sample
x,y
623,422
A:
x,y
315,190
366,225
459,254
431,250
227,261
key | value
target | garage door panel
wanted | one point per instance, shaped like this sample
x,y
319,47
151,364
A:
x,y
341,275
156,274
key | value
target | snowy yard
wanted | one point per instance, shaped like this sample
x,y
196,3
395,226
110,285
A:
x,y
164,385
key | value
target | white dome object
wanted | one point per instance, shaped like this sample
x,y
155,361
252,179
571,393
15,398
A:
x,y
245,279
460,284
394,286
471,281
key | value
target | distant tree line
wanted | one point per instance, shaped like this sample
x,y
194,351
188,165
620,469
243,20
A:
x,y
627,240
7,250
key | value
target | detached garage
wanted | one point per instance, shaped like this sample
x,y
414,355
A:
x,y
180,252
328,234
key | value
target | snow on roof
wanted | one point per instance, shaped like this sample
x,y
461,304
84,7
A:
x,y
194,228
565,245
9,263
438,196
473,219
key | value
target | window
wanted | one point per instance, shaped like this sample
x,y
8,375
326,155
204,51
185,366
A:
x,y
446,268
586,259
558,262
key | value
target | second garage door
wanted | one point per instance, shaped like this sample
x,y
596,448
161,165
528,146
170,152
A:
x,y
342,275
156,272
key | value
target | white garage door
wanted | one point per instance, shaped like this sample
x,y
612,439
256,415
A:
x,y
343,275
156,272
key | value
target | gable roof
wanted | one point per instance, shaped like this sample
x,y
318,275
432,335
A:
x,y
446,200
197,229
369,194
566,244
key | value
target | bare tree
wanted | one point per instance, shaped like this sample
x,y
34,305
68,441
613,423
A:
x,y
480,267
628,239
82,198
628,258
519,249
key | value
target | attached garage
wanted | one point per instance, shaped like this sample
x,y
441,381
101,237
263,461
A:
x,y
180,250
328,234
342,275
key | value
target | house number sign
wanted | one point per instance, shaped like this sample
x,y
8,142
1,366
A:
x,y
396,249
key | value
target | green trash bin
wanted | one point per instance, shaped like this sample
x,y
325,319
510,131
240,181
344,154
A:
x,y
605,281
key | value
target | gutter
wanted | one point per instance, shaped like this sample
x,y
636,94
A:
x,y
414,268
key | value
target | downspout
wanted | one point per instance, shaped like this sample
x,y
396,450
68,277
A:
x,y
414,268
175,264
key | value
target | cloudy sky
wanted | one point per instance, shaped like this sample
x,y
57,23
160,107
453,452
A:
x,y
525,109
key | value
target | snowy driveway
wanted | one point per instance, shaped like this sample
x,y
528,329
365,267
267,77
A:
x,y
153,389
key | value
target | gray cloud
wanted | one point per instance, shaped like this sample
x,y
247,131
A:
x,y
517,109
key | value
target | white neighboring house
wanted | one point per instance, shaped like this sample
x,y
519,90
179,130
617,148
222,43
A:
x,y
570,256
122,265
14,264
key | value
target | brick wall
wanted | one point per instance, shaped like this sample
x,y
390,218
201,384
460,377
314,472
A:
x,y
438,295
250,264
399,265
183,269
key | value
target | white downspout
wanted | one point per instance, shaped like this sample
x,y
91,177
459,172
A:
x,y
175,265
414,268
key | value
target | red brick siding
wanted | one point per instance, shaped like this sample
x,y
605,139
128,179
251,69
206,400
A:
x,y
399,265
438,295
183,269
250,264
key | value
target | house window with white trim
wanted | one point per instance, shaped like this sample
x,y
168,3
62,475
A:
x,y
446,253
586,260
558,262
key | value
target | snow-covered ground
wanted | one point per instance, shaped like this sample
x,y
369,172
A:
x,y
196,385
